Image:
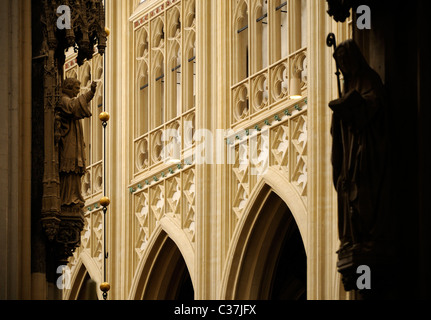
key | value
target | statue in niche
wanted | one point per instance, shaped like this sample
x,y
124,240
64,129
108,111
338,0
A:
x,y
70,110
360,162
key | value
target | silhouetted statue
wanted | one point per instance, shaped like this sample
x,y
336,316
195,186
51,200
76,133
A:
x,y
359,157
71,109
340,9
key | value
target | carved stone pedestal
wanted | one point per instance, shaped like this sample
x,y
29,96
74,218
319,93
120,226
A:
x,y
69,235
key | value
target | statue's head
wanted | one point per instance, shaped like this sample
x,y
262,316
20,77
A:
x,y
349,58
339,9
71,87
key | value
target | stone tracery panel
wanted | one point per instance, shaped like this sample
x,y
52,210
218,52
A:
x,y
189,209
142,154
260,92
91,241
97,233
240,185
142,225
280,148
171,195
299,153
279,143
268,89
165,84
241,106
269,53
280,81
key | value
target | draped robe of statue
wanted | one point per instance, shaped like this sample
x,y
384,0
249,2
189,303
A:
x,y
72,149
360,152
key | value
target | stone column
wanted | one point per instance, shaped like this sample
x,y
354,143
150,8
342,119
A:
x,y
323,279
15,150
206,118
222,88
119,167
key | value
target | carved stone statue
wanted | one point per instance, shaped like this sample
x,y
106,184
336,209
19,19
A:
x,y
360,160
63,163
71,109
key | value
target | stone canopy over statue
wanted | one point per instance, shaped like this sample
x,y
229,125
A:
x,y
70,110
360,163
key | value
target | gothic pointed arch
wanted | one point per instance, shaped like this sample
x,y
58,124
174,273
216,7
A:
x,y
76,282
271,235
166,272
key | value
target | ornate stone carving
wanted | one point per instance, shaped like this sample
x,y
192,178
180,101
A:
x,y
280,144
172,197
63,223
72,167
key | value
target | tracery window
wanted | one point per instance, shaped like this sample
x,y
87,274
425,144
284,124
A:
x,y
143,102
268,98
157,83
165,81
268,48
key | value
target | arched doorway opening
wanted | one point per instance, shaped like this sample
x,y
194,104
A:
x,y
289,281
88,290
83,281
169,277
271,262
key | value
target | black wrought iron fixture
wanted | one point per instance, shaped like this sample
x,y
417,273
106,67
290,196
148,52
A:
x,y
104,202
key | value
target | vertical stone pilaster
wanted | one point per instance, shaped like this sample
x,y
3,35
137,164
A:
x,y
119,99
322,209
15,150
206,117
223,122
